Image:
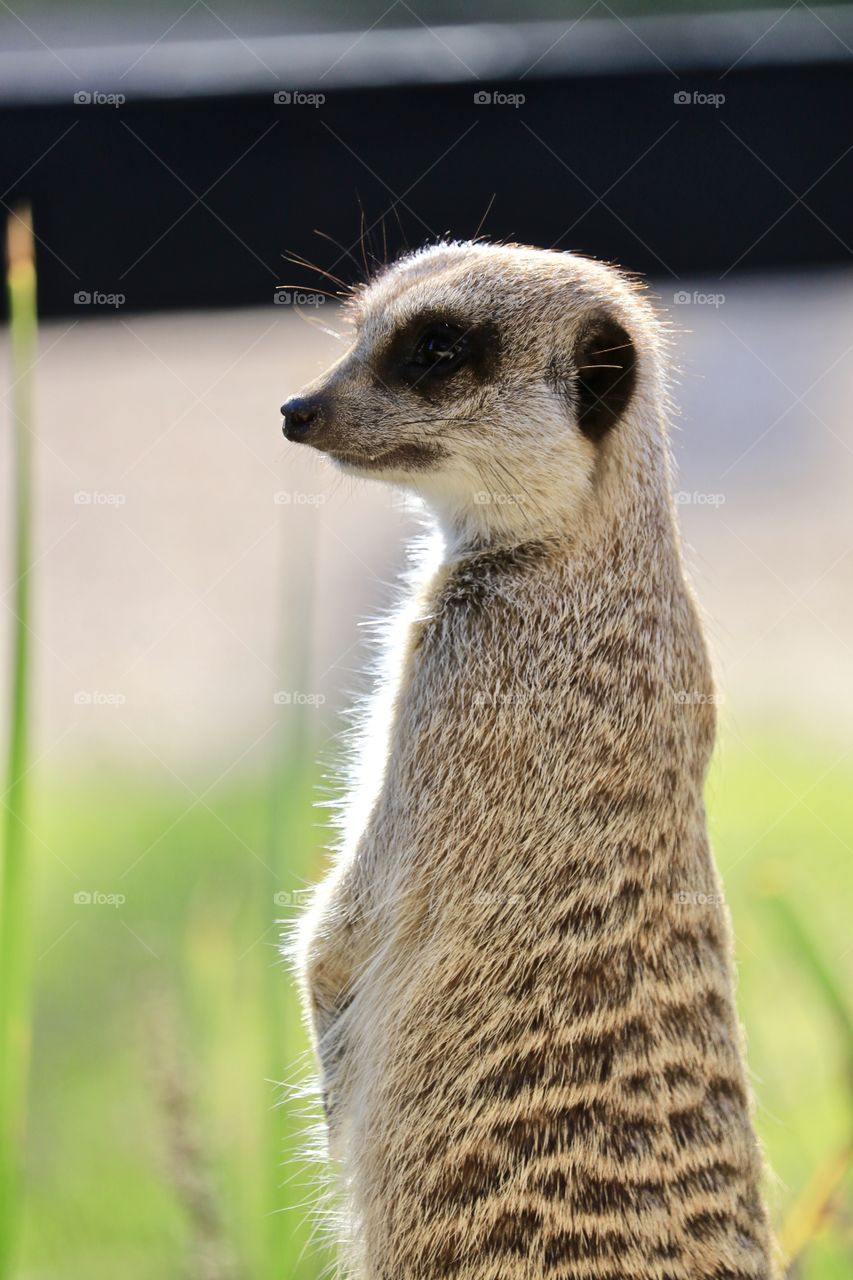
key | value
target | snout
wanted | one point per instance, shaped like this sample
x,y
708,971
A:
x,y
303,416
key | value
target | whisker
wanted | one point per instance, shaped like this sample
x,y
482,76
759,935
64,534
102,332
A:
x,y
316,323
299,261
347,252
314,289
361,239
485,215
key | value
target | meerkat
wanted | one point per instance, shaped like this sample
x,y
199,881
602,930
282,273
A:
x,y
518,974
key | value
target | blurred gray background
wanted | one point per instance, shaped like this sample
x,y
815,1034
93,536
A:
x,y
176,529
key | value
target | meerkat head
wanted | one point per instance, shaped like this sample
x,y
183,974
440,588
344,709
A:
x,y
491,380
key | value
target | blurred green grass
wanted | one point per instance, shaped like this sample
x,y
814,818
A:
x,y
182,982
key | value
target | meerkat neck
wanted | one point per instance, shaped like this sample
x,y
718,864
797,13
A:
x,y
625,506
624,490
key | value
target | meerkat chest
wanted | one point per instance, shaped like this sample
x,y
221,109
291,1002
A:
x,y
528,721
478,745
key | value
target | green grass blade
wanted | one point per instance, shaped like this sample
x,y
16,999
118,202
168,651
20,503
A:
x,y
813,1207
291,838
801,946
14,977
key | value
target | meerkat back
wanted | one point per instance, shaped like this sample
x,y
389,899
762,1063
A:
x,y
518,974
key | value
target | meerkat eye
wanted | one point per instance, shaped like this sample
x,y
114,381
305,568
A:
x,y
441,349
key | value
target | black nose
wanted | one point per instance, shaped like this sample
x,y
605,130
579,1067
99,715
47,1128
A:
x,y
299,415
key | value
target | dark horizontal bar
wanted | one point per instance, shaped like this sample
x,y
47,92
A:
x,y
194,201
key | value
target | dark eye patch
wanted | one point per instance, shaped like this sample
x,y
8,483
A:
x,y
440,350
425,353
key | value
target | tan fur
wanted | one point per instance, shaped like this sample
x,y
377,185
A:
x,y
518,974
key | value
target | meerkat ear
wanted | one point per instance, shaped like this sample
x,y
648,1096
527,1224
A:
x,y
605,373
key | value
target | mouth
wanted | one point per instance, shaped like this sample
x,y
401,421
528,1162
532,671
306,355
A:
x,y
405,457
